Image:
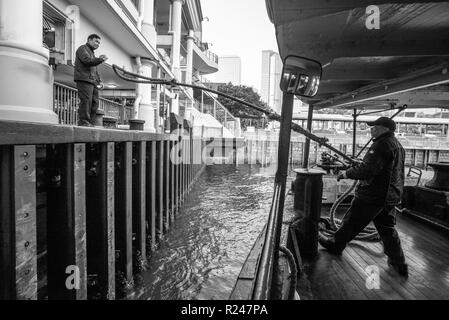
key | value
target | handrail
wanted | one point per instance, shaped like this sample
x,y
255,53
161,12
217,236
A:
x,y
66,101
270,114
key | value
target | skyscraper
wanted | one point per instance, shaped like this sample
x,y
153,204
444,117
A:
x,y
271,78
230,70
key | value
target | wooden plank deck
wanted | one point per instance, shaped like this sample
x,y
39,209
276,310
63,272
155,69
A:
x,y
330,277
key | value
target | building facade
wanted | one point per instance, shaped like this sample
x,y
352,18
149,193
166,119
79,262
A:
x,y
230,70
155,38
271,79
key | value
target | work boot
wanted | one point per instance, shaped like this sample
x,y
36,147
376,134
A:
x,y
85,123
329,245
401,268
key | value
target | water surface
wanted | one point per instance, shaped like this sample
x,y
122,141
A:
x,y
202,255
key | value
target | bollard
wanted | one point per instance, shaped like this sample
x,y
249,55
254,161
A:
x,y
110,123
308,189
98,121
136,125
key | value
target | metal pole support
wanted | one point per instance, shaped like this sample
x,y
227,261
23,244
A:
x,y
307,202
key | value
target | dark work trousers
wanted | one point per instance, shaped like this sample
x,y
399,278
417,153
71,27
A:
x,y
359,215
89,97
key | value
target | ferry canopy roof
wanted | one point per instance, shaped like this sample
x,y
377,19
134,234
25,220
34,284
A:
x,y
366,67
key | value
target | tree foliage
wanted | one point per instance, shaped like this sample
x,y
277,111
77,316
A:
x,y
249,117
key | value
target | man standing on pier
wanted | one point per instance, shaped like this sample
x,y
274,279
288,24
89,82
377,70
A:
x,y
88,80
380,189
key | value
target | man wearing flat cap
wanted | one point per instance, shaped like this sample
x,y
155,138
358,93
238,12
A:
x,y
381,176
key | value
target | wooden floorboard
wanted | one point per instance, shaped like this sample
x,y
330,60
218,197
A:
x,y
344,277
386,290
398,284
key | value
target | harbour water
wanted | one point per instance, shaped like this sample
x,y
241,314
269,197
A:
x,y
202,256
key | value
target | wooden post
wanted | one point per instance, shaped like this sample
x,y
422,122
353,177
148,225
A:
x,y
160,189
176,178
18,234
166,145
179,173
123,211
139,204
151,193
191,158
7,230
172,182
100,205
184,165
66,222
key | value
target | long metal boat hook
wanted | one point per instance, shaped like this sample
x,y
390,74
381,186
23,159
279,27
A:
x,y
137,78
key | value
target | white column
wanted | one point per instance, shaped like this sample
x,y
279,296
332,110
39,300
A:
x,y
175,104
144,106
158,121
176,47
147,15
176,30
190,43
189,73
26,80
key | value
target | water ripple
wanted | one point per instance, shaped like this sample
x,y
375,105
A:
x,y
205,250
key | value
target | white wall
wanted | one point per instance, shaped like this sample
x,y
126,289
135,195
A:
x,y
113,50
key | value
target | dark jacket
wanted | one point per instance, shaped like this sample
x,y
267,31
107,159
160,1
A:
x,y
381,173
86,65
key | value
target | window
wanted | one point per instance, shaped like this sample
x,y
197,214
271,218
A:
x,y
58,34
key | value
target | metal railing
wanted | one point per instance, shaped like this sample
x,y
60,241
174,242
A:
x,y
217,110
211,56
66,102
113,109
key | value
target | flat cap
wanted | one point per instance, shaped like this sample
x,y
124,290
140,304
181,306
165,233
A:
x,y
384,121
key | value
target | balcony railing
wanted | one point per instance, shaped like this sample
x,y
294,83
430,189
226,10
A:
x,y
211,56
66,102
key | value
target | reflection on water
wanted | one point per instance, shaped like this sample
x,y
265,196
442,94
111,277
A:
x,y
202,255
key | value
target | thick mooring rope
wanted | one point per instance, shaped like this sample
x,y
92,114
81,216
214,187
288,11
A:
x,y
294,272
328,226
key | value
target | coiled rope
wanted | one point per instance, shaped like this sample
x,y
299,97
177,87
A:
x,y
328,226
294,271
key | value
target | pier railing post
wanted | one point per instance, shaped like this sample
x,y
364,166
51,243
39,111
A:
x,y
123,213
172,182
166,146
7,230
151,192
100,213
160,190
139,203
66,221
18,246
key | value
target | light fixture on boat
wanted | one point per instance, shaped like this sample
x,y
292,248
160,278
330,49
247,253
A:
x,y
111,86
301,76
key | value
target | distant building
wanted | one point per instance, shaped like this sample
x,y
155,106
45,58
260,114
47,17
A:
x,y
271,78
230,70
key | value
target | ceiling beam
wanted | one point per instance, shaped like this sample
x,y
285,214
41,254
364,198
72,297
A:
x,y
337,87
282,11
354,73
427,77
325,51
422,95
